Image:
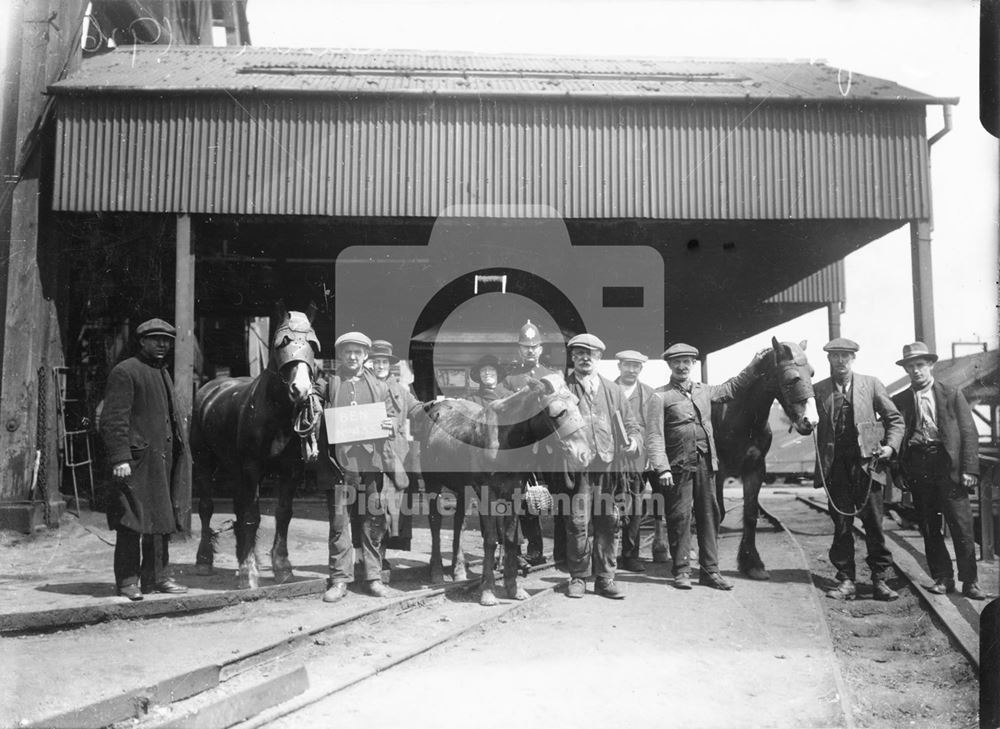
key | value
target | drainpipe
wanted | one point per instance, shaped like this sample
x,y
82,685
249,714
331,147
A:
x,y
946,110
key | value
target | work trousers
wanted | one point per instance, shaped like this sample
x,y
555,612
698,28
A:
x,y
848,482
633,512
140,558
693,488
936,495
355,507
590,530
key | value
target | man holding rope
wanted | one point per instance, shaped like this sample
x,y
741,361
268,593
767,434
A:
x,y
850,459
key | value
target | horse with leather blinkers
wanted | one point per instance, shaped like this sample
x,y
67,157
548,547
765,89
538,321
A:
x,y
240,426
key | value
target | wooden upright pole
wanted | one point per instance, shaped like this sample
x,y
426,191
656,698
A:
x,y
184,315
923,283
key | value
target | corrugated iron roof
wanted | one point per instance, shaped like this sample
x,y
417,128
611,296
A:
x,y
246,69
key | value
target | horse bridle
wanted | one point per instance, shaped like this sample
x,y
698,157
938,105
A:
x,y
795,390
569,425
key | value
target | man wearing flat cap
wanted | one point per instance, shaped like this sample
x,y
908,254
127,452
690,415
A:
x,y
690,446
649,464
396,480
351,473
851,454
590,538
145,443
528,366
939,460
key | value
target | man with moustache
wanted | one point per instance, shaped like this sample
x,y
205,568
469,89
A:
x,y
144,440
650,463
939,459
590,539
529,349
690,446
849,462
351,473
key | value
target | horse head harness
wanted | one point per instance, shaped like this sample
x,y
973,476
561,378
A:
x,y
296,341
797,389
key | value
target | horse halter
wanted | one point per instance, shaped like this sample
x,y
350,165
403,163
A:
x,y
567,423
795,389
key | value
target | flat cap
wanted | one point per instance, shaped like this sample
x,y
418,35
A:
x,y
680,350
587,341
155,327
916,350
382,348
353,338
630,355
840,344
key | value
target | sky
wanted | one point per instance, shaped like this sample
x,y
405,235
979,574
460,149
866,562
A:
x,y
928,46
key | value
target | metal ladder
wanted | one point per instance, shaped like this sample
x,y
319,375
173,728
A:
x,y
73,444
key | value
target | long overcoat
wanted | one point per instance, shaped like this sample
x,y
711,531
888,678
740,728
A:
x,y
139,426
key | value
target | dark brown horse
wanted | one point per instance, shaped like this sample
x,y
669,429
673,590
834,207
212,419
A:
x,y
240,427
743,435
464,444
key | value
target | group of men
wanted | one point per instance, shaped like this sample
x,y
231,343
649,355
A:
x,y
640,439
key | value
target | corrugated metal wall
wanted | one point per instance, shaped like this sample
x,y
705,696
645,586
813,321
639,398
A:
x,y
416,156
826,285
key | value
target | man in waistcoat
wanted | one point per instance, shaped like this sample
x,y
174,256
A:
x,y
590,538
939,459
851,454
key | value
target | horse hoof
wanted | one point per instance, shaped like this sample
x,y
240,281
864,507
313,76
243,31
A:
x,y
204,569
437,574
514,592
488,599
458,572
282,576
755,573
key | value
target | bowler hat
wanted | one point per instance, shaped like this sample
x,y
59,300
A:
x,y
382,348
529,336
487,360
680,350
916,350
587,341
154,327
630,355
353,338
840,344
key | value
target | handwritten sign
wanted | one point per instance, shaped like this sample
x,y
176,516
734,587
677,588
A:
x,y
355,423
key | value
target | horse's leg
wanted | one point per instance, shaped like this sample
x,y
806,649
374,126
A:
x,y
247,521
748,559
458,571
434,521
204,480
511,523
488,526
280,565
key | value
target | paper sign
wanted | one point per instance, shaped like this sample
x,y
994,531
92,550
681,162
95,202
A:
x,y
354,423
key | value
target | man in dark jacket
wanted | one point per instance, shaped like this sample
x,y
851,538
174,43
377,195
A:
x,y
650,464
145,445
850,456
939,459
590,538
690,446
351,472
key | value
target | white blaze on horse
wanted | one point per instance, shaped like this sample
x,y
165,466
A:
x,y
241,427
743,434
463,444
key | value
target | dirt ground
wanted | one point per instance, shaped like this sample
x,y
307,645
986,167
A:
x,y
757,656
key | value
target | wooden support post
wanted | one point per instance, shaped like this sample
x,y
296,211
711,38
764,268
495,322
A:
x,y
184,315
833,319
987,538
923,284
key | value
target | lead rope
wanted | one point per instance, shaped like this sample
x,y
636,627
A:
x,y
822,476
306,426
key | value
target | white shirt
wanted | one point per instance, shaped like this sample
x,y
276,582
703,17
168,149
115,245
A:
x,y
927,394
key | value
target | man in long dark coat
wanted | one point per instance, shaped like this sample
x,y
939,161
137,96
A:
x,y
145,445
